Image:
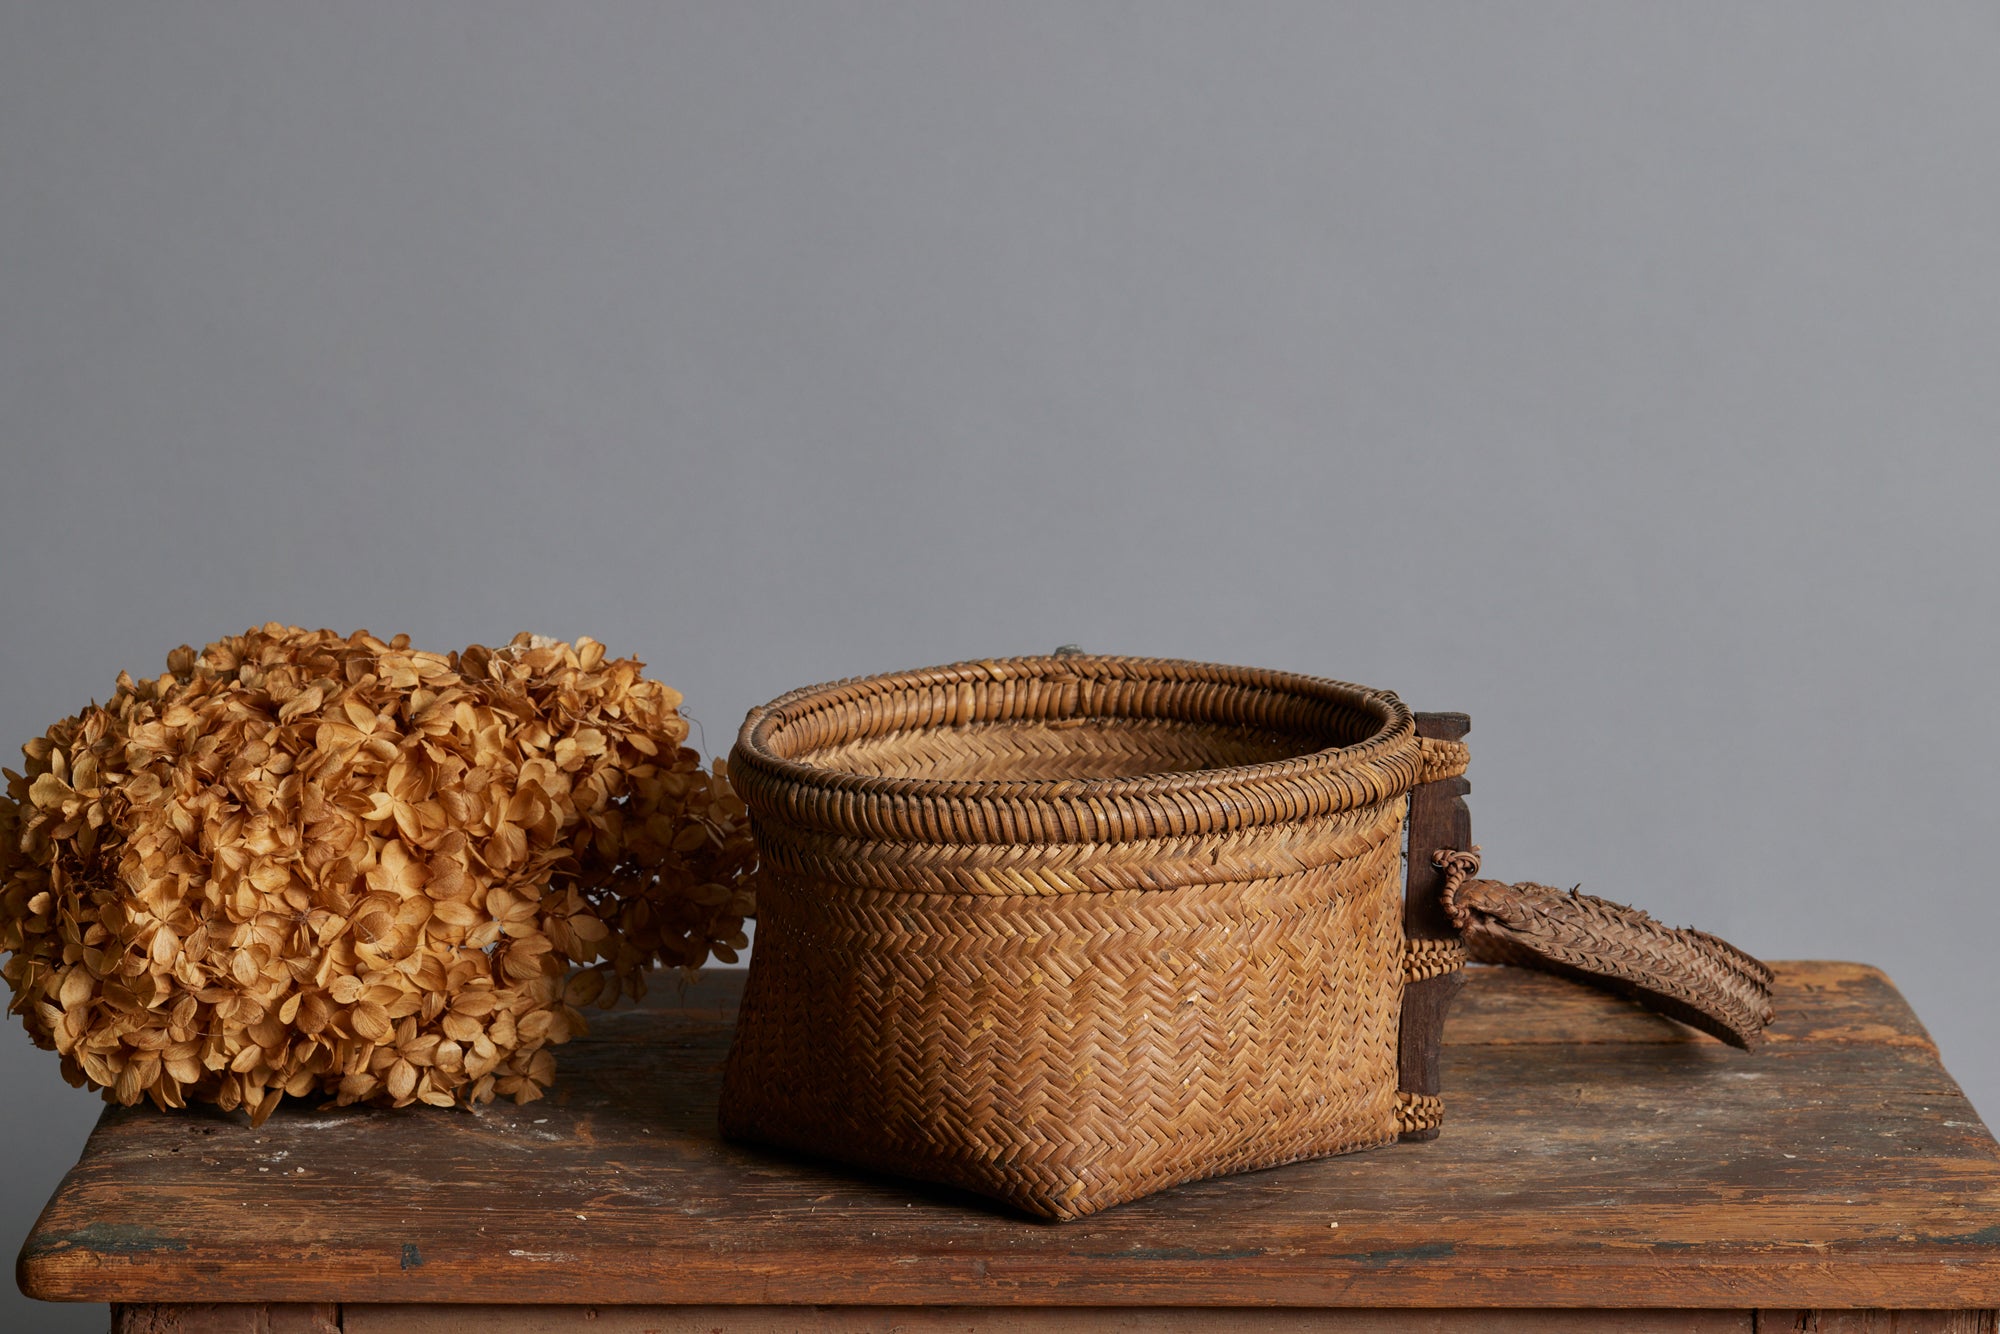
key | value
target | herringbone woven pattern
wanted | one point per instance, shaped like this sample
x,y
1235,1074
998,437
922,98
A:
x,y
1068,930
1699,979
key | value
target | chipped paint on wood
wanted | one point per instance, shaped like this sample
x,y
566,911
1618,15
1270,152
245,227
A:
x,y
1595,1155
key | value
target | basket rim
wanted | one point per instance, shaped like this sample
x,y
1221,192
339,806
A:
x,y
1390,752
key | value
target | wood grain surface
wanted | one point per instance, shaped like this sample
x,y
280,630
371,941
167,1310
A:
x,y
420,1318
1596,1155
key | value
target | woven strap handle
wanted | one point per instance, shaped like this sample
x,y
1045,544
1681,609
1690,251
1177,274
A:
x,y
1688,975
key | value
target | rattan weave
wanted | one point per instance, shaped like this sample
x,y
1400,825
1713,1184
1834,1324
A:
x,y
1067,930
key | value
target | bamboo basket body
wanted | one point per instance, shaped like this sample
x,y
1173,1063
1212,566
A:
x,y
1065,931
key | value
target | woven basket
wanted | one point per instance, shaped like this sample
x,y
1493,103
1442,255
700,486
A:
x,y
1068,930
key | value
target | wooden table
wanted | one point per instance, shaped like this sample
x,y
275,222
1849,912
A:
x,y
1595,1157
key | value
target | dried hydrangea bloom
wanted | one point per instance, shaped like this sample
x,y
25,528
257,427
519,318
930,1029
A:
x,y
312,865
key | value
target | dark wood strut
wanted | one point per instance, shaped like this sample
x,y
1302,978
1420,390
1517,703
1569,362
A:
x,y
1439,820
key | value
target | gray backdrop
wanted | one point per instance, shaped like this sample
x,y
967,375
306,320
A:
x,y
1622,374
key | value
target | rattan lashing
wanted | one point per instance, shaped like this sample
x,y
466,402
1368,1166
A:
x,y
1690,975
1067,930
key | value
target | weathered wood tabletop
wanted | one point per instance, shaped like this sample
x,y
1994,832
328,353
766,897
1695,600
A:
x,y
1594,1156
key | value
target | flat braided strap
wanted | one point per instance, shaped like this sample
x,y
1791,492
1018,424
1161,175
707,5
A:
x,y
1685,974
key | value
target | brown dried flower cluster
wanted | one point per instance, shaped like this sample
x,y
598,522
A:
x,y
301,864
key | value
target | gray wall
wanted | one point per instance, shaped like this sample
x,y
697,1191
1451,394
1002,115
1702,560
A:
x,y
1622,374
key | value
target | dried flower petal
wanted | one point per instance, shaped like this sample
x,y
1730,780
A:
x,y
303,863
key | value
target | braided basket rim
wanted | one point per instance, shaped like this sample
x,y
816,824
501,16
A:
x,y
1384,764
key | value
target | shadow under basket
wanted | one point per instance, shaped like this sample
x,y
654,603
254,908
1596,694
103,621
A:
x,y
1068,930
